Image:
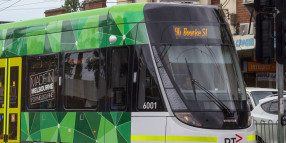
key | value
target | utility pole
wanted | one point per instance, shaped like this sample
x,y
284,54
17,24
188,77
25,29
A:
x,y
86,4
281,60
265,47
280,74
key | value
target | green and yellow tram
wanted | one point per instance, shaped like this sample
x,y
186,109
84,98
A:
x,y
140,73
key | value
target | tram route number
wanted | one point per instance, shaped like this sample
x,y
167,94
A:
x,y
150,105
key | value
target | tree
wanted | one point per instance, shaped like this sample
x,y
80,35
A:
x,y
72,6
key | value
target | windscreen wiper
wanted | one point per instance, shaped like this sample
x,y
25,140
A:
x,y
217,101
192,80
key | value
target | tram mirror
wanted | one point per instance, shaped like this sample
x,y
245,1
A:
x,y
249,104
118,96
283,120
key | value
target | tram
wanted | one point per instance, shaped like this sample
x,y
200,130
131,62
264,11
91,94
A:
x,y
136,73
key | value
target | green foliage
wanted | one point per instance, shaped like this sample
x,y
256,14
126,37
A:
x,y
72,6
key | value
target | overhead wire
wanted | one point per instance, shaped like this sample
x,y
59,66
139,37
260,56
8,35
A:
x,y
34,3
31,8
53,7
4,2
28,3
10,6
13,5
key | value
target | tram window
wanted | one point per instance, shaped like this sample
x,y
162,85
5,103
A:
x,y
14,71
81,87
149,96
119,75
43,81
2,86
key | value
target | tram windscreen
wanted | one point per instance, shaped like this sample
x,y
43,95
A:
x,y
207,68
208,81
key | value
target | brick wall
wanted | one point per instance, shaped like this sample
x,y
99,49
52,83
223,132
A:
x,y
215,2
243,16
94,5
56,11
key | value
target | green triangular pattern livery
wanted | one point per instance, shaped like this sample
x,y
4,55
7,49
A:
x,y
76,127
108,117
36,136
49,134
47,120
67,126
120,138
67,41
35,125
47,47
24,126
77,31
93,120
59,116
124,130
111,136
101,130
126,14
23,49
3,34
82,126
142,37
35,44
55,40
2,46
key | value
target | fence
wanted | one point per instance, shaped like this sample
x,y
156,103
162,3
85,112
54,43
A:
x,y
267,131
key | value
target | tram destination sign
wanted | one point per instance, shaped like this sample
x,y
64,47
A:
x,y
42,87
195,32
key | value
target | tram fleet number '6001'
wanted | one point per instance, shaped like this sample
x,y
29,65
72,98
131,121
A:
x,y
150,105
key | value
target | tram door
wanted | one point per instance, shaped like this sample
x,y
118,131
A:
x,y
10,99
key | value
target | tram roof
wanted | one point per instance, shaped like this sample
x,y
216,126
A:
x,y
115,15
118,14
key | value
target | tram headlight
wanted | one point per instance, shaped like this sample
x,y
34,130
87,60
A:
x,y
249,119
187,118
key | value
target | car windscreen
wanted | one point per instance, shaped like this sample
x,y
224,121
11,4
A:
x,y
258,95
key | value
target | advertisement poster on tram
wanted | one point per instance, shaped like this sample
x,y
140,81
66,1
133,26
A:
x,y
42,87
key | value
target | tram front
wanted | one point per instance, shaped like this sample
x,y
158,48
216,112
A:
x,y
201,78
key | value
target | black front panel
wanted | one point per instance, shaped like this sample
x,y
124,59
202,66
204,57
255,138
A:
x,y
119,78
147,89
183,13
199,65
185,24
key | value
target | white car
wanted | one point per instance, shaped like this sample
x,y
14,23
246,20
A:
x,y
255,94
265,116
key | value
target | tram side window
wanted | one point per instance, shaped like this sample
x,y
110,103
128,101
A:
x,y
42,81
119,75
148,93
81,83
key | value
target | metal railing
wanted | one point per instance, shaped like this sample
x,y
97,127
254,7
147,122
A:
x,y
267,131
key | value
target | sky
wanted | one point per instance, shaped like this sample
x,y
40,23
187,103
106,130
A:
x,y
20,10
